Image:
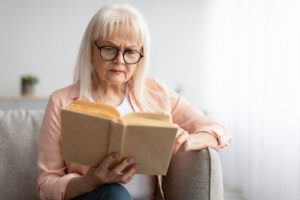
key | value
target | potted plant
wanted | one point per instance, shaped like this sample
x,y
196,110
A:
x,y
28,82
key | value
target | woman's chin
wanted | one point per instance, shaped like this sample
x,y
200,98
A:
x,y
116,81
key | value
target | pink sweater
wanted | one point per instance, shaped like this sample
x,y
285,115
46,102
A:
x,y
55,173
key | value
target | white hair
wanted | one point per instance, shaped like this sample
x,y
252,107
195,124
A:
x,y
104,22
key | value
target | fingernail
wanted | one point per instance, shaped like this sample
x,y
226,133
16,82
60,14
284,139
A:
x,y
136,167
129,160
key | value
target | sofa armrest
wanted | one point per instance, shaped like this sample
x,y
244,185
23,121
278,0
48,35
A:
x,y
194,175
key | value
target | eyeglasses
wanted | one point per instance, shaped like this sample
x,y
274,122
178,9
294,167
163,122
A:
x,y
109,53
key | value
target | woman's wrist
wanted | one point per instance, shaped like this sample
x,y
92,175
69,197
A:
x,y
202,140
77,186
89,184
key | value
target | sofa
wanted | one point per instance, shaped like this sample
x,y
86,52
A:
x,y
191,175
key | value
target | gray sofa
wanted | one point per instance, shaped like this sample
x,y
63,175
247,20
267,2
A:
x,y
191,175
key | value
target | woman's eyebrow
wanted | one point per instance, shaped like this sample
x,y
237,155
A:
x,y
109,42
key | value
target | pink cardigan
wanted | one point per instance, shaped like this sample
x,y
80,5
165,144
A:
x,y
55,173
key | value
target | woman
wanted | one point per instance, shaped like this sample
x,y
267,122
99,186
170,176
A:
x,y
110,68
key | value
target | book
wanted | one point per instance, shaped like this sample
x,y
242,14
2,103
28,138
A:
x,y
91,131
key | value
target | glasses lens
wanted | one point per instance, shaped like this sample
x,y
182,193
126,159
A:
x,y
131,56
109,53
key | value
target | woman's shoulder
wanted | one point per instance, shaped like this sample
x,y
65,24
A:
x,y
65,95
162,93
157,86
154,84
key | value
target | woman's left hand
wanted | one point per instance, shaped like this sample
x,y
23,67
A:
x,y
187,142
182,141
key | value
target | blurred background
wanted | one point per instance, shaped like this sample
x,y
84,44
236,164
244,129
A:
x,y
237,60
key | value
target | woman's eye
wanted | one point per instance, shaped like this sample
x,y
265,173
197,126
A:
x,y
130,52
109,49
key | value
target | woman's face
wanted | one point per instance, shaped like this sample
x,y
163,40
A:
x,y
116,71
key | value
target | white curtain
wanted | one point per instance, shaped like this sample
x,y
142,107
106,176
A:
x,y
251,81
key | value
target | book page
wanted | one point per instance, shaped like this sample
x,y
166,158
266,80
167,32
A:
x,y
99,109
147,119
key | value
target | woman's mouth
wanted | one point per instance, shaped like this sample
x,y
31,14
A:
x,y
116,71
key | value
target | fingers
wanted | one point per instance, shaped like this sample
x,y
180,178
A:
x,y
103,175
117,176
125,178
121,166
182,138
108,161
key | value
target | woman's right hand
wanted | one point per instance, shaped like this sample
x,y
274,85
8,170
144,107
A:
x,y
101,175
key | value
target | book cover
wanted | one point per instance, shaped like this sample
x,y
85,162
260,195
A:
x,y
91,131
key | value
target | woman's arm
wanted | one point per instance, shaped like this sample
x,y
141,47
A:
x,y
196,130
187,142
52,180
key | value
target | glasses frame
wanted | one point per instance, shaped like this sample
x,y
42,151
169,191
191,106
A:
x,y
123,54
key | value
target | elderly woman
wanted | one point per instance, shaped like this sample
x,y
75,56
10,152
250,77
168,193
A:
x,y
111,69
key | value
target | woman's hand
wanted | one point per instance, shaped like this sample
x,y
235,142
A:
x,y
186,142
182,141
102,175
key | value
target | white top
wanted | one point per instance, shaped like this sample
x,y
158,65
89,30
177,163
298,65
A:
x,y
141,187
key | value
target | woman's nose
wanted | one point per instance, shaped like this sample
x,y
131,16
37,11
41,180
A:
x,y
120,58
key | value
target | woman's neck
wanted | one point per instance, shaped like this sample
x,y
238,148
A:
x,y
109,93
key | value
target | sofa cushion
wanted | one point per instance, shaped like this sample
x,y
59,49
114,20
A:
x,y
19,132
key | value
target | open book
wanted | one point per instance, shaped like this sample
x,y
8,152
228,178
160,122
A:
x,y
91,131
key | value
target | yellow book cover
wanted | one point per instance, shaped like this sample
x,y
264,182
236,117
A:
x,y
91,131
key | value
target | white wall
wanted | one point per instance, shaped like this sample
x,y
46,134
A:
x,y
43,37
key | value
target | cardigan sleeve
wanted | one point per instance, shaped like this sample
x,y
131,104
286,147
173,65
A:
x,y
192,120
52,180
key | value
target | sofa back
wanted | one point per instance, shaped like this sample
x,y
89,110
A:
x,y
19,131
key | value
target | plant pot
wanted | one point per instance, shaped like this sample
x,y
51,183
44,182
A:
x,y
27,89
